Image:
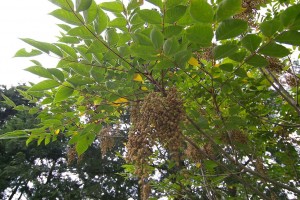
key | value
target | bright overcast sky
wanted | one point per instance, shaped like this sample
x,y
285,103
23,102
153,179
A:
x,y
24,19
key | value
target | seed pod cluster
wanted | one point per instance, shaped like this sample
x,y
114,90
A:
x,y
155,122
235,136
71,155
259,165
106,138
291,80
250,9
275,65
194,154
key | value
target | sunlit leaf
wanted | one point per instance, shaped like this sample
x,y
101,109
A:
x,y
67,16
82,5
24,53
202,11
63,93
45,85
150,16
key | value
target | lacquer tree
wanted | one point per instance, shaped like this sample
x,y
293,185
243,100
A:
x,y
210,87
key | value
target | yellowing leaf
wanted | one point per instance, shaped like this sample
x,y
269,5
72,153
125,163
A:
x,y
198,165
138,77
97,102
249,74
56,132
144,88
193,61
119,101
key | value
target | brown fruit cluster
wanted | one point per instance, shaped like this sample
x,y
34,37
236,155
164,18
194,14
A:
x,y
106,139
235,136
194,154
250,8
275,65
155,123
291,80
259,165
71,155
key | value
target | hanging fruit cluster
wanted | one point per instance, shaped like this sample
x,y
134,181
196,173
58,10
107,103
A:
x,y
155,123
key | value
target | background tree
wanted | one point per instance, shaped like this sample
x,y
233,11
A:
x,y
39,171
201,80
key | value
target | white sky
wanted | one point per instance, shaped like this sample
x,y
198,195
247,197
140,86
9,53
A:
x,y
24,19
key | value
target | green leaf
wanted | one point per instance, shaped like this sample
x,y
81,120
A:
x,y
81,31
97,47
14,135
157,3
227,67
238,56
44,85
146,52
101,21
98,74
43,46
86,138
157,38
296,24
41,138
69,50
57,74
174,14
273,49
182,57
115,6
202,11
201,34
64,27
91,13
64,4
48,139
142,39
171,31
78,80
24,53
170,46
251,42
230,28
63,93
68,17
82,5
289,37
40,71
288,16
119,22
69,40
81,69
269,28
225,50
150,16
172,3
228,8
112,36
257,61
8,101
